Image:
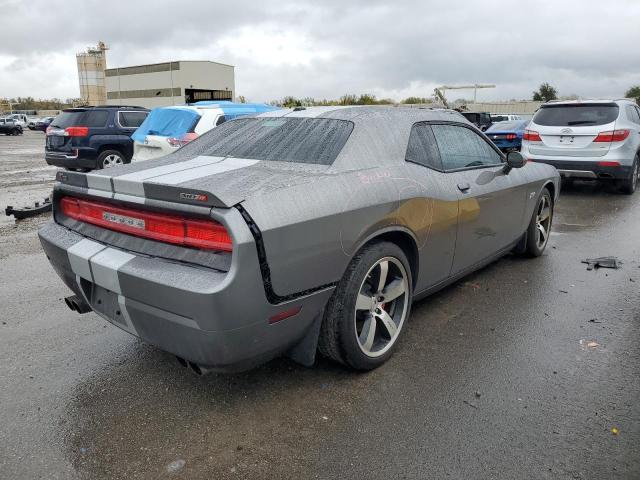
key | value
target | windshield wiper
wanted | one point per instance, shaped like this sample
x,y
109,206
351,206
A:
x,y
581,122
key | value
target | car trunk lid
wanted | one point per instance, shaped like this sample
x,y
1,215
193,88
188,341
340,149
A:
x,y
204,180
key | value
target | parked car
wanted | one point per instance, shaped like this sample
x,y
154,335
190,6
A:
x,y
31,124
18,118
169,128
43,124
482,120
504,117
507,135
294,230
93,137
593,139
10,127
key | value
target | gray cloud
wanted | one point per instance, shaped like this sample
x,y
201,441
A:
x,y
325,49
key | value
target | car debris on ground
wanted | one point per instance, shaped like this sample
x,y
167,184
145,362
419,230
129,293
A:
x,y
602,262
29,211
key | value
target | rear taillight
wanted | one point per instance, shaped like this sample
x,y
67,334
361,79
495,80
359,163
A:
x,y
612,136
531,136
204,234
76,131
608,164
511,136
183,140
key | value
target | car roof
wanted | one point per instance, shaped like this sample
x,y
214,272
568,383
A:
x,y
363,113
589,101
380,133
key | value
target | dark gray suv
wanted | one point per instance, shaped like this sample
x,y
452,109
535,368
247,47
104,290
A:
x,y
90,138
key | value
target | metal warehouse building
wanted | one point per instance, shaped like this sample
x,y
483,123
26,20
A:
x,y
170,83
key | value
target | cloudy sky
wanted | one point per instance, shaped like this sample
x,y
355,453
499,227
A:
x,y
323,49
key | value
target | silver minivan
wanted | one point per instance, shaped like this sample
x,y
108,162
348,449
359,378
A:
x,y
593,139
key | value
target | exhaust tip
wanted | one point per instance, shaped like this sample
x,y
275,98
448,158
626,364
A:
x,y
71,304
77,304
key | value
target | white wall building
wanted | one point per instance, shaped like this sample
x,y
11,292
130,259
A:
x,y
170,83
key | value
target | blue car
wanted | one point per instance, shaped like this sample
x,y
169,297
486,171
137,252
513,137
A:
x,y
507,136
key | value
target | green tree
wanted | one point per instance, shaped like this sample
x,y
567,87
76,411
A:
x,y
634,92
416,100
367,99
348,99
290,102
545,93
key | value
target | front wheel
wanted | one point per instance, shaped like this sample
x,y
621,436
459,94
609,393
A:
x,y
540,225
365,316
629,185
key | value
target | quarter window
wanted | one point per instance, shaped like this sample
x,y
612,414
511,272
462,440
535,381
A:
x,y
131,119
632,113
422,148
461,147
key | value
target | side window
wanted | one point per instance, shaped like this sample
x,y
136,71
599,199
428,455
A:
x,y
96,118
422,148
221,119
131,119
632,113
461,147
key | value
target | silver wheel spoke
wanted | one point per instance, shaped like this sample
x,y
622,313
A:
x,y
388,323
544,214
368,333
384,270
543,234
363,302
393,290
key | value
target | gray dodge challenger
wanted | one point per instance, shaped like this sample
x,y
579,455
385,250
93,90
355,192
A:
x,y
293,232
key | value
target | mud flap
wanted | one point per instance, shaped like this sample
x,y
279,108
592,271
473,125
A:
x,y
304,352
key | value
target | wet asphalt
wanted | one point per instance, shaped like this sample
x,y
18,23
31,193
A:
x,y
529,368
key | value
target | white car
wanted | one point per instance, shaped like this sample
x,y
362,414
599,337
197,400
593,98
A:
x,y
589,139
168,128
18,119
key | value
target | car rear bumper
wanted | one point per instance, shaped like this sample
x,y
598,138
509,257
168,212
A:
x,y
507,145
74,157
582,169
215,319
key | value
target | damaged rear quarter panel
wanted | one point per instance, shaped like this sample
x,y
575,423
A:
x,y
310,231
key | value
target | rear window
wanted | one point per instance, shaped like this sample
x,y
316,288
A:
x,y
68,119
297,140
576,115
516,125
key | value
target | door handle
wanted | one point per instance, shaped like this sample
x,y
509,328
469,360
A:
x,y
464,187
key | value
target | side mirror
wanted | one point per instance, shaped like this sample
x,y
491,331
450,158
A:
x,y
514,160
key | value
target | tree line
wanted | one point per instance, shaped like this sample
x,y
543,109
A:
x,y
30,103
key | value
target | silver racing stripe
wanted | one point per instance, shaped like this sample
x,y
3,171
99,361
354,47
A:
x,y
105,265
131,183
122,303
98,182
79,255
227,165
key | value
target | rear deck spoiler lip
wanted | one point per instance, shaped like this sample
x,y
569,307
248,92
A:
x,y
102,186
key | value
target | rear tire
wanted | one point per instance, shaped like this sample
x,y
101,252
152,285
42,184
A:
x,y
364,317
628,185
540,225
110,158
